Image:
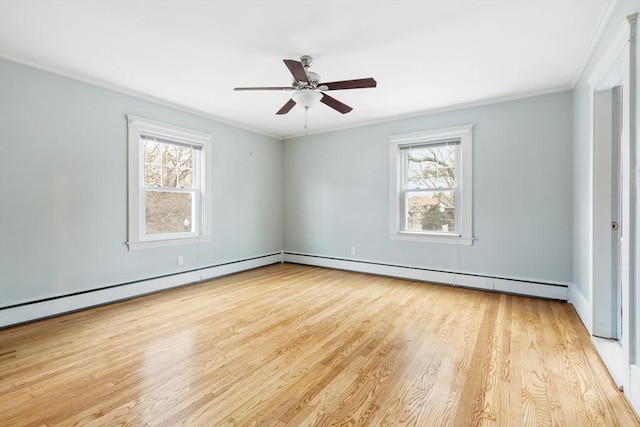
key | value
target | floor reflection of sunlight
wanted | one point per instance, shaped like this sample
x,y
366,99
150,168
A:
x,y
166,374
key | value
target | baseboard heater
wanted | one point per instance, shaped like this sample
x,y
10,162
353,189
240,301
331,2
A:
x,y
555,291
29,311
52,306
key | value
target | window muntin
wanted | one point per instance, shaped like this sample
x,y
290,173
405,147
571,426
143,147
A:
x,y
430,188
167,173
167,163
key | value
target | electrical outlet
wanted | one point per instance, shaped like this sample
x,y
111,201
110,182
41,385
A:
x,y
180,260
353,250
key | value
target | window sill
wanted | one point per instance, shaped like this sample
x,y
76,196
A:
x,y
433,238
143,244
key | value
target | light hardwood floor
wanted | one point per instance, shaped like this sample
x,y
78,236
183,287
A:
x,y
295,345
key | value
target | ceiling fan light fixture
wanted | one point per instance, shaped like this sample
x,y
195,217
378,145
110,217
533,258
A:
x,y
306,98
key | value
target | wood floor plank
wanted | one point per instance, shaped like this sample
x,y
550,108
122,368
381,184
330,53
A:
x,y
291,345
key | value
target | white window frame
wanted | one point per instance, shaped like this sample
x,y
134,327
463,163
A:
x,y
202,175
464,197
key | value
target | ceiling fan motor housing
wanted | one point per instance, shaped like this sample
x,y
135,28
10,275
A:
x,y
314,78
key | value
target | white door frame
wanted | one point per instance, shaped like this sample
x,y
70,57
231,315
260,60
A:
x,y
617,65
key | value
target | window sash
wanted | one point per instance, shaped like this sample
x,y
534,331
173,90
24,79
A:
x,y
194,219
196,162
403,203
404,191
195,190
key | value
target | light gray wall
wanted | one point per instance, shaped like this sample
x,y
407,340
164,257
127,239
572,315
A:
x,y
336,192
63,189
582,153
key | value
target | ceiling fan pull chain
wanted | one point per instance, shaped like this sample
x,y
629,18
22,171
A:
x,y
306,121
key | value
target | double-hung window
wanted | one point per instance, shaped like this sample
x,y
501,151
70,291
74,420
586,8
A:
x,y
168,167
430,188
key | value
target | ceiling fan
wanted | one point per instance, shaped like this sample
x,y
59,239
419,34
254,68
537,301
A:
x,y
307,89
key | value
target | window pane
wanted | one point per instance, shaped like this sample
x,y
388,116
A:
x,y
185,178
153,152
170,155
169,177
185,157
430,211
168,212
152,176
430,167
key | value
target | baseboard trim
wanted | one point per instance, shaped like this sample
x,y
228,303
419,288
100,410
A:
x,y
610,351
556,291
54,306
633,394
582,307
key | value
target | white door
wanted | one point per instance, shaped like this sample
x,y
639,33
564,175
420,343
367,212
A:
x,y
616,210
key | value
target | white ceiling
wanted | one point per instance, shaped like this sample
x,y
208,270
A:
x,y
425,55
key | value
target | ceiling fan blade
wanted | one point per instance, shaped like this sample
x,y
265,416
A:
x,y
335,104
351,84
297,70
265,88
287,107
